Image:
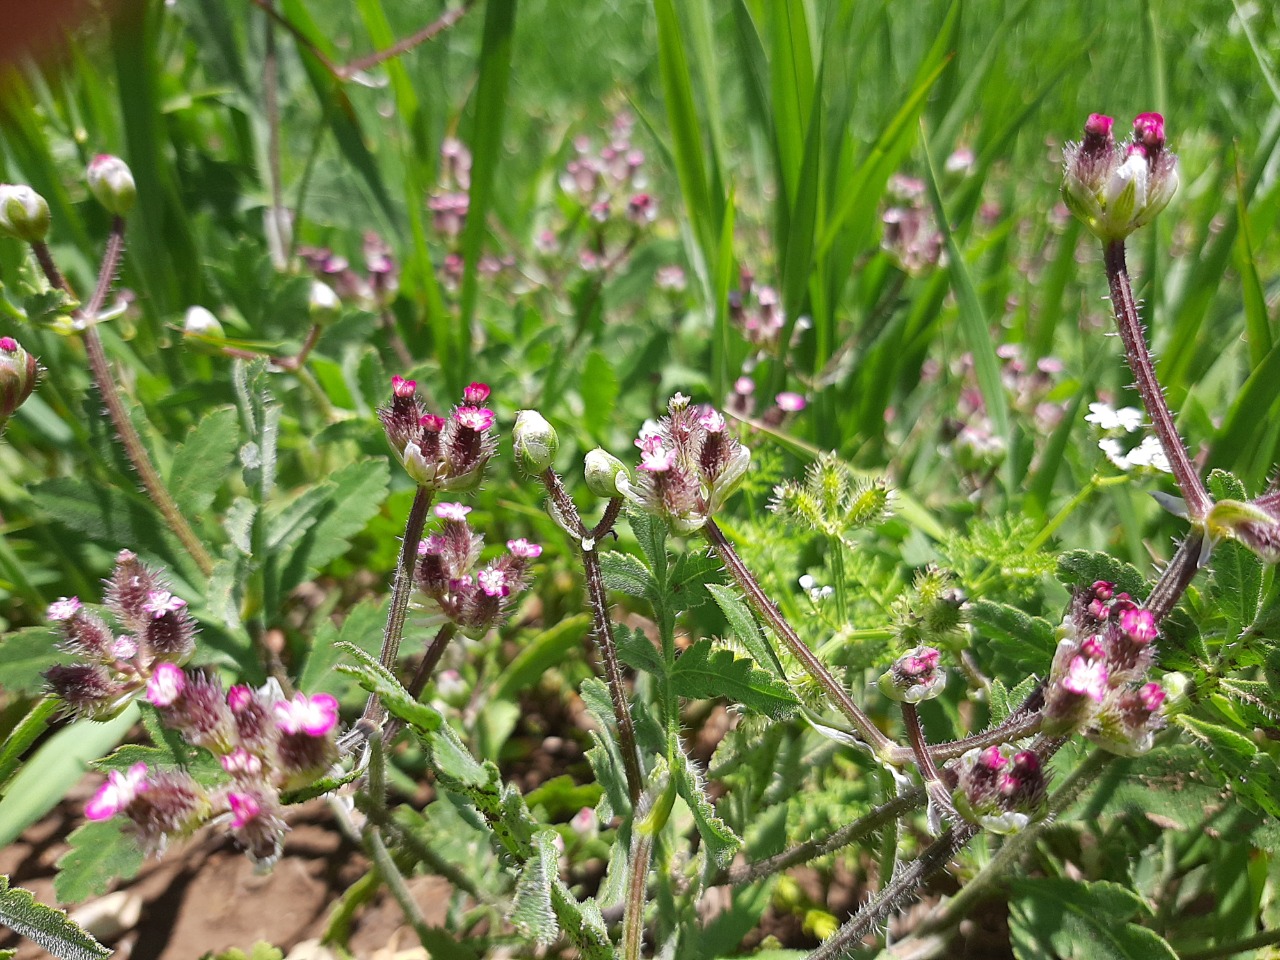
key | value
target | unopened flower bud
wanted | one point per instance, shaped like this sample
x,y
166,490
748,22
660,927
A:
x,y
323,303
24,214
535,441
1255,524
914,676
111,183
18,374
602,471
200,322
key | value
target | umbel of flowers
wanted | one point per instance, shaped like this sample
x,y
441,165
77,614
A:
x,y
475,600
1098,682
264,743
440,453
689,465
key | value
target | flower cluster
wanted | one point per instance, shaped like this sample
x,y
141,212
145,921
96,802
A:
x,y
999,788
611,180
440,453
263,742
1116,425
374,290
911,237
689,465
756,310
1098,681
475,600
113,667
1115,188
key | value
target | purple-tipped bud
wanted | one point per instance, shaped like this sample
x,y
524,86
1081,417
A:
x,y
86,635
1103,590
111,183
200,713
19,372
999,793
475,394
915,676
166,685
129,589
1117,188
256,823
254,721
169,633
172,806
1148,130
86,690
1255,524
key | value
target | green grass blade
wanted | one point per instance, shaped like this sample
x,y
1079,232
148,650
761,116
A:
x,y
486,149
973,322
1257,327
1255,403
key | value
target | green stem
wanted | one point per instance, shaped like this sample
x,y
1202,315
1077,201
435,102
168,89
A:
x,y
836,547
1088,490
1264,938
637,880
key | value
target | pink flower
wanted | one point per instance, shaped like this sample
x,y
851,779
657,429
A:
x,y
160,602
524,549
315,716
64,608
1152,697
403,388
117,793
166,685
476,394
240,761
789,402
124,648
712,420
745,386
1087,678
8,345
431,423
478,419
452,511
1140,625
244,807
493,581
654,457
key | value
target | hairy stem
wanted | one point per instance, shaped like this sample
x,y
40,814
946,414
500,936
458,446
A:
x,y
105,382
601,624
924,761
1149,389
637,879
401,588
879,744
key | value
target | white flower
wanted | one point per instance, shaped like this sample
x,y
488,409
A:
x,y
1108,418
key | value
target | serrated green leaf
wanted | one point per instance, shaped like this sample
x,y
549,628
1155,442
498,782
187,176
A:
x,y
238,522
50,928
599,392
1026,640
720,842
1003,701
1251,776
1080,568
362,628
745,630
103,514
626,574
1225,486
1081,921
605,757
350,499
101,853
1169,786
651,534
531,910
691,576
1237,584
203,460
375,678
705,673
638,652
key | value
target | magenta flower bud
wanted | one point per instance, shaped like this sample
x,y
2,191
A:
x,y
166,685
1151,695
475,394
24,214
402,388
1097,130
256,823
999,793
85,634
1103,589
200,713
19,372
170,631
915,676
1148,130
254,724
111,183
117,793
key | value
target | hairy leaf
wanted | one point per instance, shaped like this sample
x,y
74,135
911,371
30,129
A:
x,y
52,929
704,673
101,853
531,911
1081,921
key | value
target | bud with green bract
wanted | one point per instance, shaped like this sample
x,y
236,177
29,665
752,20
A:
x,y
999,789
1115,188
111,183
24,214
18,374
603,471
535,441
914,676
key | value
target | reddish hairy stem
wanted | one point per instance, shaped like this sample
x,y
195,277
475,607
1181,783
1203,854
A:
x,y
1149,389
